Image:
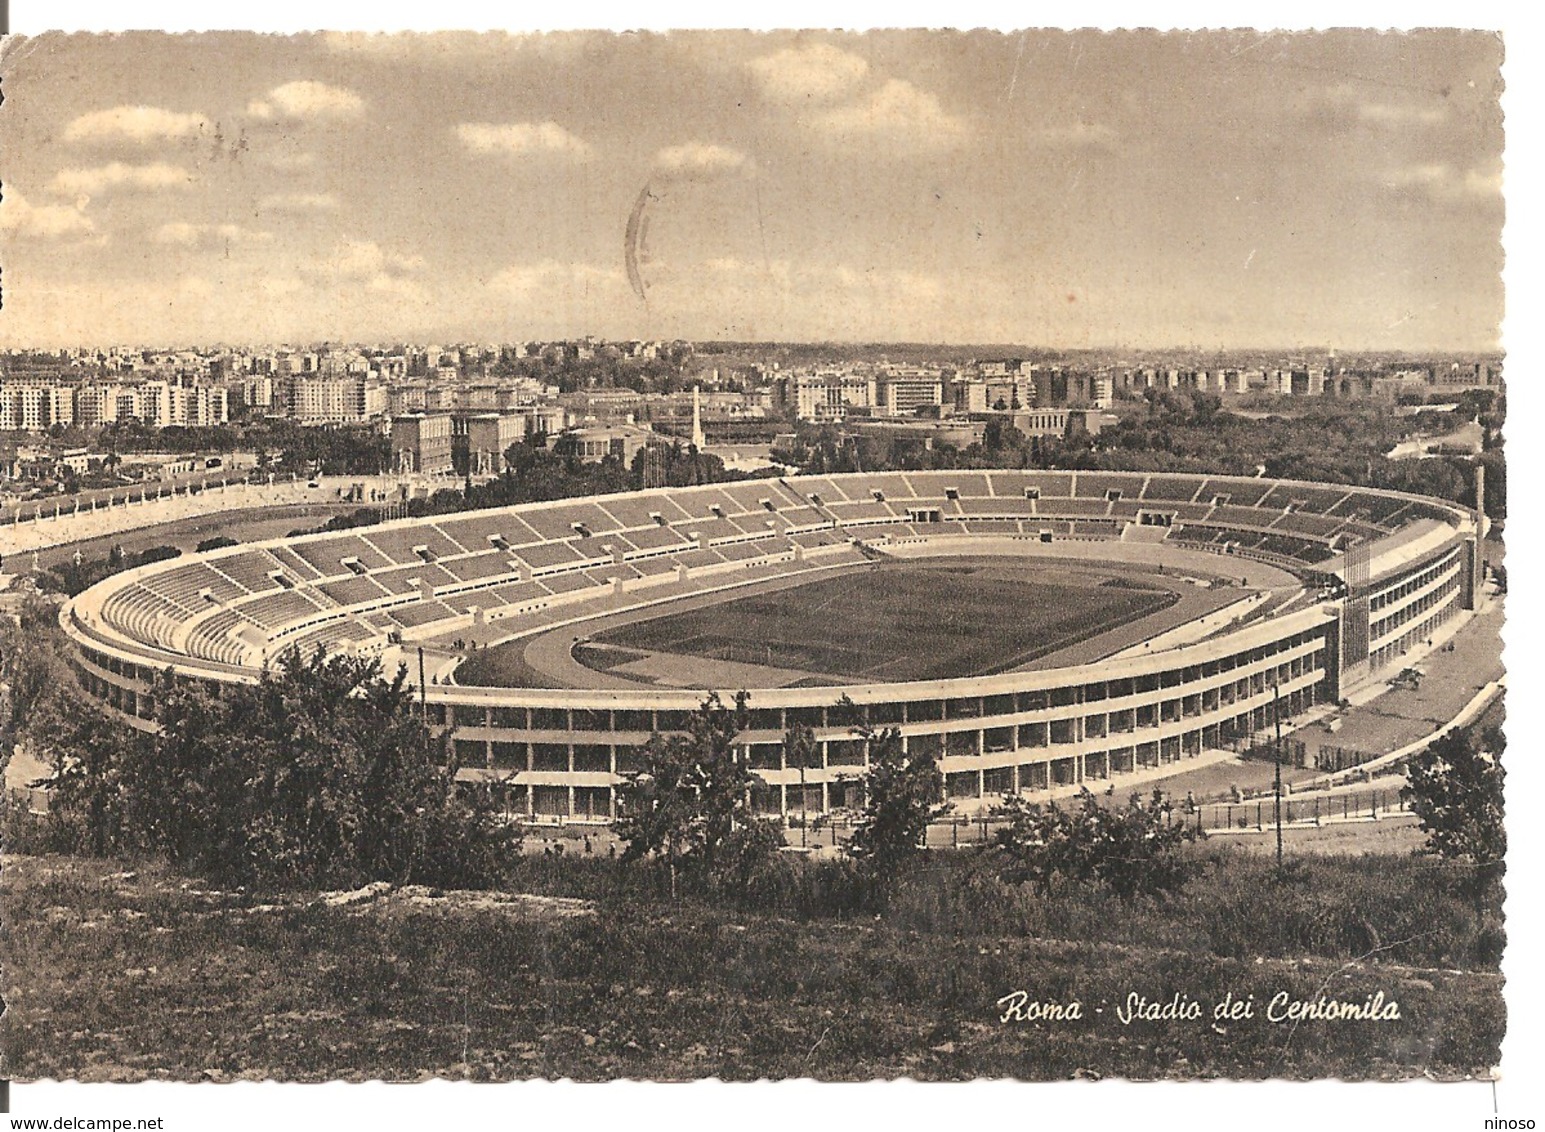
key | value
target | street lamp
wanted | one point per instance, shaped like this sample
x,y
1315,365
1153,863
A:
x,y
1276,711
799,744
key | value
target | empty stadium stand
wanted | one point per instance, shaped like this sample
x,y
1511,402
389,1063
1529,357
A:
x,y
362,587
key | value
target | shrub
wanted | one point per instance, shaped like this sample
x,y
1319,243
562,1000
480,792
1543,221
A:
x,y
1455,787
321,775
1131,850
901,792
690,807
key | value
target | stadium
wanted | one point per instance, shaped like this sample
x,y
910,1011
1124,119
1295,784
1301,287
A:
x,y
1033,629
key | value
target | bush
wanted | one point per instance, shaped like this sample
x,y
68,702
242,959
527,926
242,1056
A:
x,y
901,796
1131,851
690,807
1455,786
319,776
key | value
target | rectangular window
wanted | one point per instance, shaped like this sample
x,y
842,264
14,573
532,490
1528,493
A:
x,y
508,717
549,719
509,756
672,720
626,719
766,756
549,757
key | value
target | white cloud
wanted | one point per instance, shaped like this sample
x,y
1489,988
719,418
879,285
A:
x,y
520,138
307,99
298,202
1481,182
362,260
409,290
136,124
1445,183
87,181
898,114
833,93
1350,101
1442,182
549,277
811,73
1390,114
545,297
195,235
19,217
699,159
357,277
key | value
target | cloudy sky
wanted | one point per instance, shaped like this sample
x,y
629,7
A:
x,y
1066,189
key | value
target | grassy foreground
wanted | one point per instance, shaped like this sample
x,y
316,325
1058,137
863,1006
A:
x,y
132,975
113,974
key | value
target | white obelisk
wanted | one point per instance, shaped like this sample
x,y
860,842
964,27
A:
x,y
698,440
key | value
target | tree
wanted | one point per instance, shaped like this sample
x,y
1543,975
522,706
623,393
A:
x,y
1132,850
87,753
801,753
691,804
320,775
1455,787
901,797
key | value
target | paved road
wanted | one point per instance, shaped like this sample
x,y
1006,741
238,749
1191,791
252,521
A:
x,y
1402,715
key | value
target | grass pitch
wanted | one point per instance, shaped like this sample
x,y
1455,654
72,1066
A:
x,y
898,623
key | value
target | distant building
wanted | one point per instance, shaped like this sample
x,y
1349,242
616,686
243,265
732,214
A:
x,y
593,445
422,443
828,396
543,420
902,393
955,433
97,405
479,440
1467,375
1053,422
968,393
35,406
321,400
1062,387
256,393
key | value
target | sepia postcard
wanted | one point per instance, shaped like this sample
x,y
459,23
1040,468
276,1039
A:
x,y
852,556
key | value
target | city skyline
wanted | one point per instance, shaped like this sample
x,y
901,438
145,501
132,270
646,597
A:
x,y
1065,190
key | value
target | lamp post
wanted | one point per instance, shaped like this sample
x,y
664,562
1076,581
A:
x,y
798,744
804,820
1276,711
